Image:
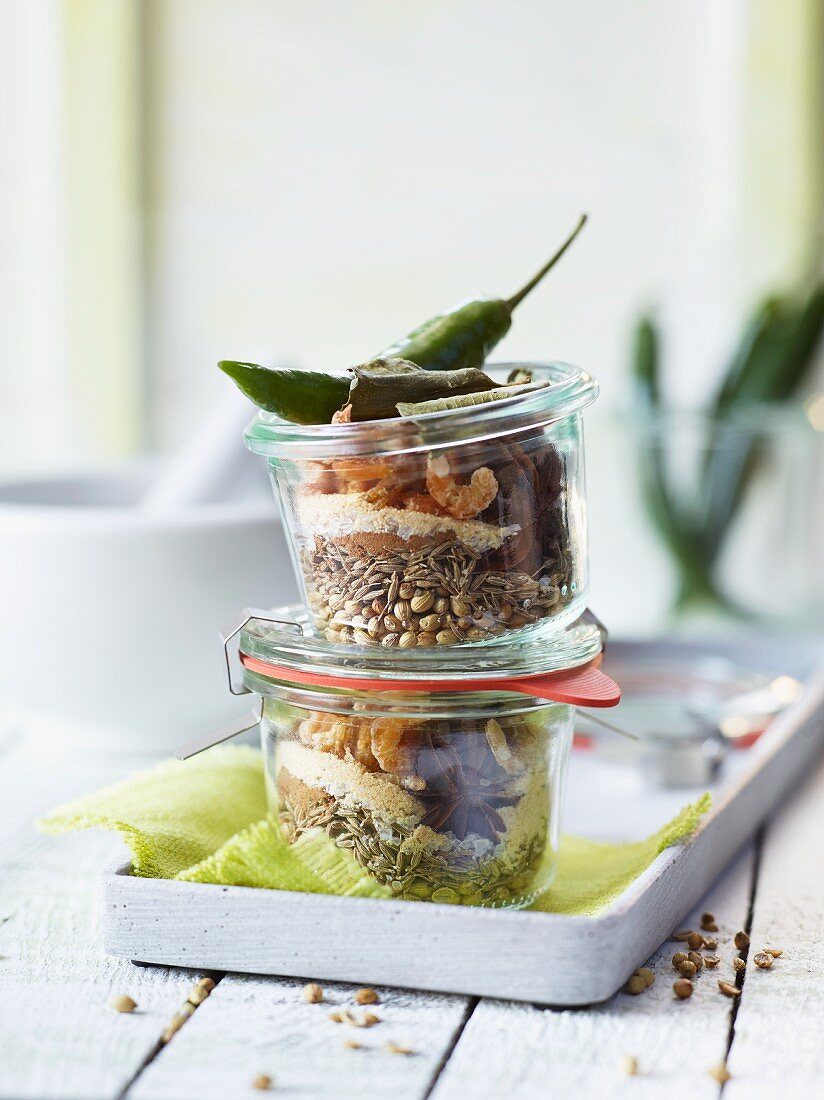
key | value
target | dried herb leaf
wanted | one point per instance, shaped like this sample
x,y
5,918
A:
x,y
444,404
378,386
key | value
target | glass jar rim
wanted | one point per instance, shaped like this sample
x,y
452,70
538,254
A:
x,y
569,391
396,704
288,640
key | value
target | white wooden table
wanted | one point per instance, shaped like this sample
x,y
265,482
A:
x,y
59,1038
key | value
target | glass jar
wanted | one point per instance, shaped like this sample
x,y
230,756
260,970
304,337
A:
x,y
445,785
449,528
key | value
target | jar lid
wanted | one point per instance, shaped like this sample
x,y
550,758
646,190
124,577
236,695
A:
x,y
569,390
282,646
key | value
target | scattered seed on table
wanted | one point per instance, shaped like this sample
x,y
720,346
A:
x,y
720,1073
741,941
629,1065
678,958
398,1048
680,937
647,975
682,988
763,960
174,1025
711,961
207,983
635,984
336,1017
687,969
123,1003
312,993
262,1082
707,918
711,944
696,960
728,989
352,1044
738,963
198,995
369,1020
775,952
366,997
695,940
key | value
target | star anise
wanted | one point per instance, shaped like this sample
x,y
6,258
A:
x,y
464,785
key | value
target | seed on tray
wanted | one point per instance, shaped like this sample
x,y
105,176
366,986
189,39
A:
x,y
312,993
775,952
696,960
647,974
741,941
629,1065
207,983
352,1044
398,1048
695,940
680,937
635,984
678,958
728,989
711,944
174,1025
336,1017
123,1003
738,963
262,1082
366,997
707,918
682,988
687,969
711,961
763,960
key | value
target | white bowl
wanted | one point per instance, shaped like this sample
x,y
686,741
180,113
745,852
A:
x,y
111,616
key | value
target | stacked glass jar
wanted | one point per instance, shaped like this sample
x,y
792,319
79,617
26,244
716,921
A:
x,y
418,711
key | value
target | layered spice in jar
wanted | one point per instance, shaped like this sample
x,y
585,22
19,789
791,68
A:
x,y
464,540
460,808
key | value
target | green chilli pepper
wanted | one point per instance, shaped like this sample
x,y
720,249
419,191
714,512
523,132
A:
x,y
302,396
464,336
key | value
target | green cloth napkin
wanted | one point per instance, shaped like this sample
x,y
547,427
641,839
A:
x,y
204,820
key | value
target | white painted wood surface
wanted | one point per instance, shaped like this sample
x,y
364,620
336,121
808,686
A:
x,y
59,1039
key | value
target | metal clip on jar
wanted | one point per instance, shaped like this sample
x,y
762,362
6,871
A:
x,y
463,526
443,782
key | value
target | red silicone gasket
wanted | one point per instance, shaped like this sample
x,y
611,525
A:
x,y
585,686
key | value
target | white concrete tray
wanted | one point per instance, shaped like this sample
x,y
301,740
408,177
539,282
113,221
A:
x,y
538,957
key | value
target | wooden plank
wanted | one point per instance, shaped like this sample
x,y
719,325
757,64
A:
x,y
251,1026
58,1035
777,1048
524,1051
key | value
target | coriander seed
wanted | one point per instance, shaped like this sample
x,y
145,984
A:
x,y
741,941
635,985
682,988
123,1003
728,989
720,1073
695,940
647,975
763,960
687,969
711,961
678,958
312,993
366,997
262,1082
629,1065
738,963
696,960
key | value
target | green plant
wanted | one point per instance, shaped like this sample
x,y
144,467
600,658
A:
x,y
776,351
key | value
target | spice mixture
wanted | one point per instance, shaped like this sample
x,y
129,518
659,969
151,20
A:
x,y
442,811
428,550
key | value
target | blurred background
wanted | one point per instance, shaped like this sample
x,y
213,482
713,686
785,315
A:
x,y
304,181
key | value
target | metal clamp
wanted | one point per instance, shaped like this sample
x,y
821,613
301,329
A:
x,y
205,741
232,655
